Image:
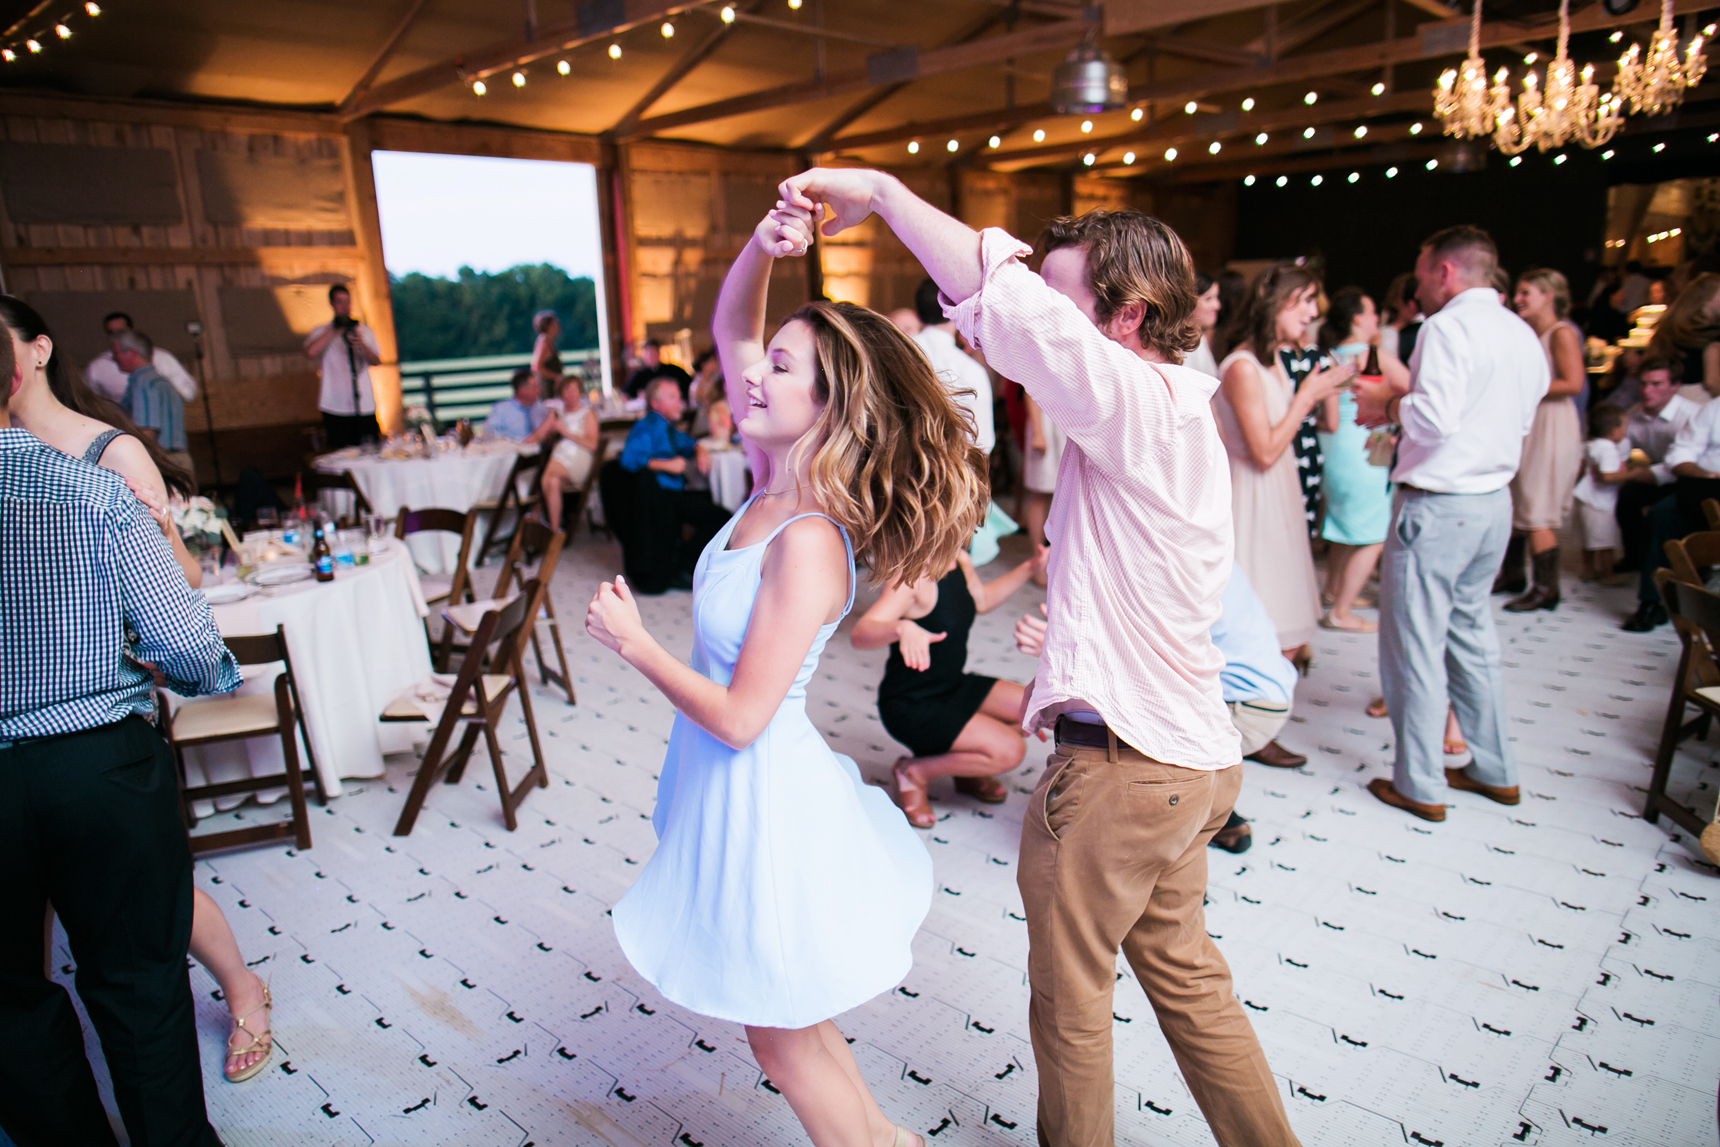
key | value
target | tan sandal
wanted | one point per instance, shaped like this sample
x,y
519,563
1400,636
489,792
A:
x,y
912,799
265,1041
1377,708
988,790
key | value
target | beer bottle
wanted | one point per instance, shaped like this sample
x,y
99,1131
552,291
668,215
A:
x,y
322,559
1372,372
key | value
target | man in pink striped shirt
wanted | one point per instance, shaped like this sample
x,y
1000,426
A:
x,y
1145,771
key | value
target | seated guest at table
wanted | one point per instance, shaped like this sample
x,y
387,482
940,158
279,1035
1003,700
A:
x,y
525,417
652,367
150,400
656,556
571,460
1694,460
346,350
1651,426
107,379
89,808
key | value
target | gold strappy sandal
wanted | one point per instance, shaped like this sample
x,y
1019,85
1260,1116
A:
x,y
265,1041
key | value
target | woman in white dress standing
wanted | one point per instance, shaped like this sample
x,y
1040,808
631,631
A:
x,y
784,889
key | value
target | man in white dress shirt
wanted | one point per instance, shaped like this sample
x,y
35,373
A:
x,y
965,378
347,349
1476,376
105,375
1651,425
1693,462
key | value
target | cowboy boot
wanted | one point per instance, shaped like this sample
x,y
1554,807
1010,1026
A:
x,y
1512,578
1545,594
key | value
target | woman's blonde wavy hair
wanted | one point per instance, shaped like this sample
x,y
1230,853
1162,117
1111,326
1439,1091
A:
x,y
893,455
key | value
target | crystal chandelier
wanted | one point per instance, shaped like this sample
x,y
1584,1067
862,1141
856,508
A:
x,y
1462,100
1568,110
1655,86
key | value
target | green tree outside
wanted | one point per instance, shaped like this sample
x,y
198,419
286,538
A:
x,y
483,314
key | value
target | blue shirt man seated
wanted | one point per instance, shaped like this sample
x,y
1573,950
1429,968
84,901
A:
x,y
525,417
657,443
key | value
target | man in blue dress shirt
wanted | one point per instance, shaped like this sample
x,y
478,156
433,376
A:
x,y
658,554
525,417
150,399
89,800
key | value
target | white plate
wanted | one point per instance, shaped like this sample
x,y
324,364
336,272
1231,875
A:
x,y
228,593
282,575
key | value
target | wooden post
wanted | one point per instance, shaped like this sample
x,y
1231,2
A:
x,y
376,304
617,267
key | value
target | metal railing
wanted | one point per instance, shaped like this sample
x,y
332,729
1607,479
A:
x,y
455,388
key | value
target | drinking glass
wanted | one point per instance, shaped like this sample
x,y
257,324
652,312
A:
x,y
268,518
376,533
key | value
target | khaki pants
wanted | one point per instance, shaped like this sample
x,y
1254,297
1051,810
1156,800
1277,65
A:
x,y
1113,854
1258,721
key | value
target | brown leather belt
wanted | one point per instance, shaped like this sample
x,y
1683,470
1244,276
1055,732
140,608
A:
x,y
1089,736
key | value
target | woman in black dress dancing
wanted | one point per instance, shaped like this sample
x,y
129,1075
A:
x,y
958,724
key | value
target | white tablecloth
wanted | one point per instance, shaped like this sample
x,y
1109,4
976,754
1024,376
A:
x,y
356,644
457,480
728,476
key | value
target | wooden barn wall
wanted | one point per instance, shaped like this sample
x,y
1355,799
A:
x,y
251,217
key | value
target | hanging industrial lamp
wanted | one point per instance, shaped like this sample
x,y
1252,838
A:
x,y
1088,80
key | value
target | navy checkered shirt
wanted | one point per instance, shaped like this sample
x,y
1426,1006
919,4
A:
x,y
89,591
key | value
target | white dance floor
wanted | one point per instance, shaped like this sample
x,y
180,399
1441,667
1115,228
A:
x,y
1539,975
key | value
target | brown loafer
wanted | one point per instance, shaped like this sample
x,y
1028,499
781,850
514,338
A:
x,y
987,790
1387,792
1277,756
1458,779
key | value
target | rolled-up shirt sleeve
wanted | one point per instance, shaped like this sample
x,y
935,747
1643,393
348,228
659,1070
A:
x,y
1433,409
1106,398
174,629
1695,438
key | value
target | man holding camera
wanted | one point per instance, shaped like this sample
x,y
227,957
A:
x,y
347,349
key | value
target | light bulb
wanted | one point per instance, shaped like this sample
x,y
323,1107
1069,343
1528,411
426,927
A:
x,y
479,87
1039,135
1379,89
615,51
1310,98
1616,37
1658,148
1088,159
564,67
951,145
1415,128
1136,115
1559,159
1283,180
1191,107
1248,104
519,79
1712,137
93,8
994,141
1307,133
1317,180
1355,176
668,30
1531,58
1608,153
1260,140
795,4
1248,181
1213,147
1515,160
1391,173
1170,154
1432,163
1128,158
728,13
1086,126
8,55
33,45
62,31
914,147
1361,131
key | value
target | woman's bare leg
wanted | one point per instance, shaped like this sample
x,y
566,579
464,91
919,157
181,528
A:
x,y
1337,556
828,1097
554,477
989,744
1540,541
213,946
1358,564
883,1131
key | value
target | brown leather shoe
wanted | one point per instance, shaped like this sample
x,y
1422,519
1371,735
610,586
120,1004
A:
x,y
1458,779
1277,756
1388,793
987,790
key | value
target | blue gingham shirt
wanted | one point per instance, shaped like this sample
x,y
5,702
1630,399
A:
x,y
153,403
88,591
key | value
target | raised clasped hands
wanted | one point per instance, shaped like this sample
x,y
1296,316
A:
x,y
845,193
786,232
613,616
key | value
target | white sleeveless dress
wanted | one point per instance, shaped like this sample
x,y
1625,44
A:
x,y
784,889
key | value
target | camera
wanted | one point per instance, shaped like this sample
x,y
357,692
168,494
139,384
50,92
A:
x,y
345,323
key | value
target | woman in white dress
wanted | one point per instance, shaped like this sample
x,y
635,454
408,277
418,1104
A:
x,y
575,452
1205,319
784,889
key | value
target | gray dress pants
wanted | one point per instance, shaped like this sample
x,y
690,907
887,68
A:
x,y
1437,641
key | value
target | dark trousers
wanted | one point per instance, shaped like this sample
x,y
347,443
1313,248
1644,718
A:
x,y
654,550
1674,517
343,430
91,822
1634,500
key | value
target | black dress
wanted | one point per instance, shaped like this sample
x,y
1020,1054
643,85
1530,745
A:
x,y
1299,363
927,710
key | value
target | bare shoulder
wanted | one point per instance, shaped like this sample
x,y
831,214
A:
x,y
810,541
127,457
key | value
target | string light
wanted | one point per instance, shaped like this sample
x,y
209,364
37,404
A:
x,y
1415,128
564,67
1128,158
1615,37
1391,173
1248,104
1213,147
1607,154
1307,133
479,87
519,79
1379,89
1361,131
1658,148
1260,140
1136,115
1283,180
8,55
1038,135
1191,107
33,45
668,30
1088,159
93,8
1317,180
1515,160
728,13
913,147
615,51
1310,98
1354,176
951,145
994,141
1248,181
1558,159
795,4
1086,126
1432,163
1531,58
62,31
1170,154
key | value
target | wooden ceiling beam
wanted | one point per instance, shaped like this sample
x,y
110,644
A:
x,y
1197,49
881,70
694,56
383,54
1314,22
593,20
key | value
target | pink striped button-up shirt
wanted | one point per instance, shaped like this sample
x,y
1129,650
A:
x,y
1140,530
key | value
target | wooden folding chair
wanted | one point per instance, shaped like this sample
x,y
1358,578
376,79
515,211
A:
x,y
533,542
527,469
1711,511
1690,555
477,701
316,481
1696,615
217,719
459,586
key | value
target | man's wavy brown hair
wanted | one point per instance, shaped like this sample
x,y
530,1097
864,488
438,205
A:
x,y
893,455
1134,258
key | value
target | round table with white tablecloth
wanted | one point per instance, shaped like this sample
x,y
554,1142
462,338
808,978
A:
x,y
456,479
356,643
